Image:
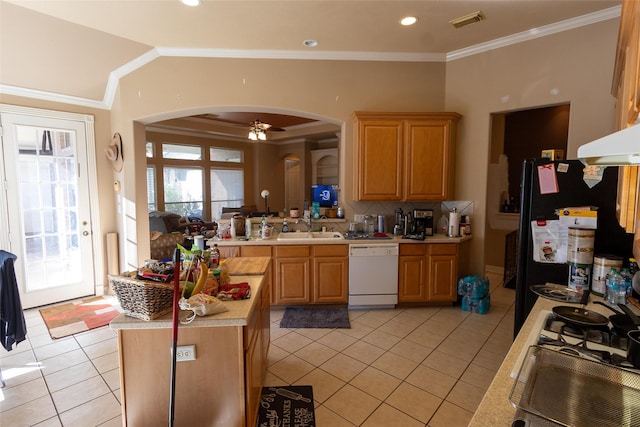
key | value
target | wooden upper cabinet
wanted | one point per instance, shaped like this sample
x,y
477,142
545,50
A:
x,y
405,156
379,159
626,88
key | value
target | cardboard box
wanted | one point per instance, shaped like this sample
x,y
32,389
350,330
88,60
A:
x,y
553,154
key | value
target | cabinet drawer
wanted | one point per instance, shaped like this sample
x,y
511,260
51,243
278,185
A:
x,y
330,250
255,251
413,249
443,249
292,251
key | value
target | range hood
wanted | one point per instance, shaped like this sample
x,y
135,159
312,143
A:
x,y
617,149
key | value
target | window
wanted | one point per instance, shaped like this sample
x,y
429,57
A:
x,y
226,155
151,188
183,191
194,178
181,152
227,189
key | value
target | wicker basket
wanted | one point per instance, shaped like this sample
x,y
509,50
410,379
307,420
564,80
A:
x,y
142,299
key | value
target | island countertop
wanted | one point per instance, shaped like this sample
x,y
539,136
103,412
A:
x,y
495,409
236,315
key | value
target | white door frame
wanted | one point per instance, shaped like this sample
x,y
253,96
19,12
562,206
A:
x,y
92,177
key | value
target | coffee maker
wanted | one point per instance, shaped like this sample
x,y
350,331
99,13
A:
x,y
423,222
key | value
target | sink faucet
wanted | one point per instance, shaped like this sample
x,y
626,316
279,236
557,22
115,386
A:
x,y
307,222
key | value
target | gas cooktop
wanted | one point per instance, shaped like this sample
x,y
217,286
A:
x,y
601,344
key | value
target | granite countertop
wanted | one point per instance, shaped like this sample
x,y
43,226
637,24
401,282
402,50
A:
x,y
495,409
237,314
436,238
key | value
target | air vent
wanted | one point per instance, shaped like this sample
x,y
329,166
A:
x,y
468,19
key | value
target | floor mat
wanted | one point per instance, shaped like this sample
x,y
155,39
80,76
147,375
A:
x,y
79,316
304,317
286,406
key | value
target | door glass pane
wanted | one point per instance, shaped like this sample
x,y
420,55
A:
x,y
47,179
183,192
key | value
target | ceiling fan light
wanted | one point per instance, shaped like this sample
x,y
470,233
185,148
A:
x,y
252,135
262,136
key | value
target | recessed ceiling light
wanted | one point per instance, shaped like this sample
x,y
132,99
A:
x,y
191,2
408,20
310,43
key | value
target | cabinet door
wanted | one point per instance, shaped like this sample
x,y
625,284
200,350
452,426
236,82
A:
x,y
329,280
379,159
443,269
429,159
292,280
412,275
253,377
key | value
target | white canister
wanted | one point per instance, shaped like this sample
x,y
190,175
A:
x,y
580,245
454,223
199,242
602,264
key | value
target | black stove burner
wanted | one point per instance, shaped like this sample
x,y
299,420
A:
x,y
595,334
601,335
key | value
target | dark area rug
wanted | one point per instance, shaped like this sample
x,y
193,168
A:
x,y
286,407
303,317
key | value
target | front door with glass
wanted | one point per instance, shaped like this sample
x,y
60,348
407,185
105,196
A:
x,y
47,206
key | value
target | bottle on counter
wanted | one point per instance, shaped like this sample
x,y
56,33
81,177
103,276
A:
x,y
215,256
285,226
443,224
616,290
223,271
626,278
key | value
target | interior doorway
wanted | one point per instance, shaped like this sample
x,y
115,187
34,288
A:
x,y
516,136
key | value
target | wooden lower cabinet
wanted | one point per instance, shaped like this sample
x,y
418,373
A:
x,y
220,388
292,274
310,274
330,274
428,272
412,273
443,272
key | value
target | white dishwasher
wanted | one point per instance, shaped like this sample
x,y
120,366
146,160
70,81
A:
x,y
373,275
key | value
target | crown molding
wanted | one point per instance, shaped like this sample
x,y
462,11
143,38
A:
x,y
117,74
534,33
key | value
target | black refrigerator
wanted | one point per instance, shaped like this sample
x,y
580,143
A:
x,y
610,237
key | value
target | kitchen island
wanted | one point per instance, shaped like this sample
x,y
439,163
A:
x,y
222,386
495,409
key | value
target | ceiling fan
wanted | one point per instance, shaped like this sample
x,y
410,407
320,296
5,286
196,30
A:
x,y
258,130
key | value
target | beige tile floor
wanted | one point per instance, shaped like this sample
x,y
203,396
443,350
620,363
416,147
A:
x,y
403,367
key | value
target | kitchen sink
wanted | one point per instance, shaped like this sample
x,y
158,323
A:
x,y
316,235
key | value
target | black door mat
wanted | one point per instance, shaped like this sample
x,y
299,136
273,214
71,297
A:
x,y
302,317
288,406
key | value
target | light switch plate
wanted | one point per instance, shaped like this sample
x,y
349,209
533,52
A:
x,y
185,353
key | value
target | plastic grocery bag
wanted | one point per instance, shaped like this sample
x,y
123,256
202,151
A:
x,y
200,305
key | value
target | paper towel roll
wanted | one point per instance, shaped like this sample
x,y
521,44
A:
x,y
454,224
